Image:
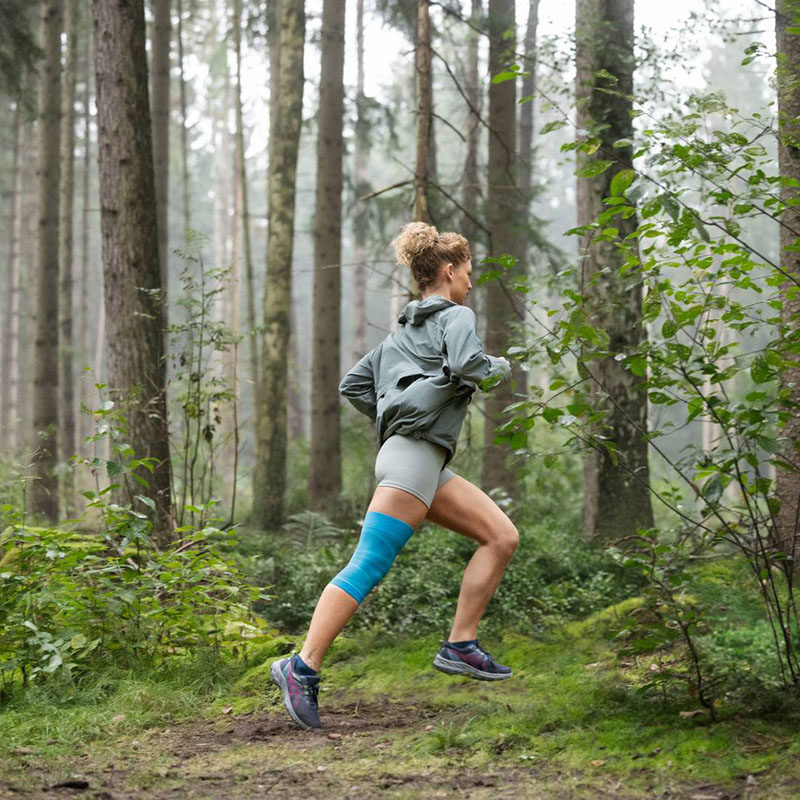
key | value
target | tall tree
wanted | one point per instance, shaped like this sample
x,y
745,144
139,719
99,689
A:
x,y
9,388
242,196
66,206
162,36
503,208
787,20
270,474
616,498
424,85
43,495
325,472
361,149
132,279
471,185
187,210
86,259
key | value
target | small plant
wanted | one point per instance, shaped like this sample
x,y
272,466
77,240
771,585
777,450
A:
x,y
204,351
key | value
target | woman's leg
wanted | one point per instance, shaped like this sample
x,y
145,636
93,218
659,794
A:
x,y
464,508
335,606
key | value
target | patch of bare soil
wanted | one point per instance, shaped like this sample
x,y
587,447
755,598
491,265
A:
x,y
354,756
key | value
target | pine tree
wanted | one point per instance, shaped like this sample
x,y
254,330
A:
x,y
616,498
325,471
270,475
43,495
132,278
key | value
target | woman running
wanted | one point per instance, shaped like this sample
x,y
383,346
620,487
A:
x,y
416,386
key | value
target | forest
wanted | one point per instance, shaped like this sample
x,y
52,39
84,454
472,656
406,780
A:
x,y
199,200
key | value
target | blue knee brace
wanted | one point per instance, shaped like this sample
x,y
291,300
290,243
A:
x,y
382,538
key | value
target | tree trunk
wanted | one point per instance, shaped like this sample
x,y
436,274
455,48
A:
x,y
503,208
243,201
132,286
86,258
325,473
424,110
787,18
66,206
270,475
43,495
162,34
10,386
187,210
470,197
361,148
527,88
616,498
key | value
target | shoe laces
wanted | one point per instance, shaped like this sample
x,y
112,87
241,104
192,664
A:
x,y
309,687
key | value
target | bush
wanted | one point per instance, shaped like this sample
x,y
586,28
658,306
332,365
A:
x,y
553,577
70,603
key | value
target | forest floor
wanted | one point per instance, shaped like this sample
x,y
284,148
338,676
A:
x,y
569,724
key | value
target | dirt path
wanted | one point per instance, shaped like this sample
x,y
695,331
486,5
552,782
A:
x,y
366,750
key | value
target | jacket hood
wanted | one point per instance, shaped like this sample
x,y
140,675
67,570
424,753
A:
x,y
417,311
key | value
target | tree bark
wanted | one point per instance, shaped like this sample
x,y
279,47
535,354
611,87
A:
x,y
270,474
87,266
132,285
503,207
616,498
43,495
424,110
10,386
361,150
787,18
325,472
162,35
243,201
187,209
471,195
66,207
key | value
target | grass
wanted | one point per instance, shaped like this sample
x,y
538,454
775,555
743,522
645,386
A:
x,y
574,715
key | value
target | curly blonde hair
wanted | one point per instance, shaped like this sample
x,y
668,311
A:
x,y
422,248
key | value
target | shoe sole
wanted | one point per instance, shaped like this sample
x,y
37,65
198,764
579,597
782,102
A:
x,y
276,674
460,668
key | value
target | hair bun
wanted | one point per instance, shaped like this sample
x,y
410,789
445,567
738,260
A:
x,y
413,240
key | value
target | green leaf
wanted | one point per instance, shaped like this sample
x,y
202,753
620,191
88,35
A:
x,y
595,168
552,414
519,440
712,489
638,365
760,371
148,501
621,181
114,469
555,125
505,75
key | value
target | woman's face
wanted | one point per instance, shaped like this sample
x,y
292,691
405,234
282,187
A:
x,y
461,283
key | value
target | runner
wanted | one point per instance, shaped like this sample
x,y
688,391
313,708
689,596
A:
x,y
416,386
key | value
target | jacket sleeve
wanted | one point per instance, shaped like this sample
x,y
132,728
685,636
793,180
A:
x,y
358,386
463,350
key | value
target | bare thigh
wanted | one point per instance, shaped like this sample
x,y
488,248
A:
x,y
400,504
464,508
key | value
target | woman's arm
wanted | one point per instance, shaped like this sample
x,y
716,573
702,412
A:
x,y
358,386
463,350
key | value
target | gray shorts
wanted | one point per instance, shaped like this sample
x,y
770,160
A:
x,y
415,465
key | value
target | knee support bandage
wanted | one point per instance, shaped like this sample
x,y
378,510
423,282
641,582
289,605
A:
x,y
382,538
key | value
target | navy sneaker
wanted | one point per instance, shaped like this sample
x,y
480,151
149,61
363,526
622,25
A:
x,y
474,662
299,692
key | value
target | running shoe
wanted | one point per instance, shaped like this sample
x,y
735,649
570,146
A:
x,y
299,692
474,662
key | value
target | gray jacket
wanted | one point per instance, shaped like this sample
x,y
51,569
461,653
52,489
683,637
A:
x,y
420,380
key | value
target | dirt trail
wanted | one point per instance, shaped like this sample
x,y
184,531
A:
x,y
366,750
